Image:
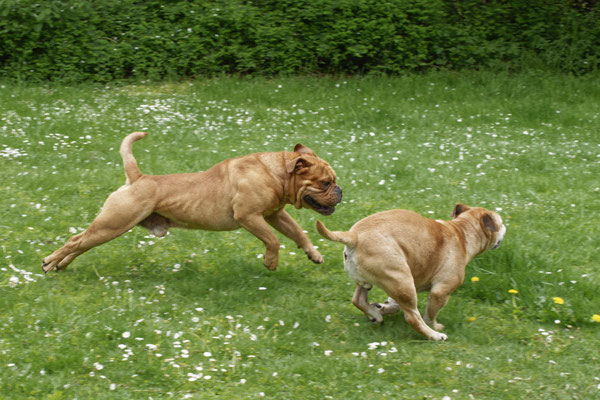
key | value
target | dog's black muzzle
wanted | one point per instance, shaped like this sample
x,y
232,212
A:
x,y
323,209
338,190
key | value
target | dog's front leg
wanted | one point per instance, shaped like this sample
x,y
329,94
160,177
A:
x,y
438,298
256,225
284,223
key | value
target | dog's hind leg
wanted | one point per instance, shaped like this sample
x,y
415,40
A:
x,y
123,210
403,292
361,301
395,278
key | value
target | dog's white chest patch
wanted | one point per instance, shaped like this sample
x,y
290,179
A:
x,y
353,269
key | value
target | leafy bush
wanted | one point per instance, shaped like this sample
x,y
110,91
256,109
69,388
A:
x,y
116,39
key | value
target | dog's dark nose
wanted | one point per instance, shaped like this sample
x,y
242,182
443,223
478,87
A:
x,y
338,191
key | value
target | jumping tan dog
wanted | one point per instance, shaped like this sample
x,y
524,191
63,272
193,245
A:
x,y
404,253
247,192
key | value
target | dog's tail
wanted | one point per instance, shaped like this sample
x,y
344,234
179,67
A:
x,y
132,172
348,238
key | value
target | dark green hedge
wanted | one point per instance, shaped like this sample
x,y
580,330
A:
x,y
116,39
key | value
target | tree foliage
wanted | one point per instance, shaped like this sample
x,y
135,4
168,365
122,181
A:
x,y
156,39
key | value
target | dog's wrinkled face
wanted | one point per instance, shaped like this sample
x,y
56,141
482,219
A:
x,y
314,182
319,190
491,223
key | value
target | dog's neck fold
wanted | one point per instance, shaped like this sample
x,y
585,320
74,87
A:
x,y
474,239
290,193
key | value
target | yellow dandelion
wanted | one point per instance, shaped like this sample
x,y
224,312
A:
x,y
596,318
475,279
558,300
513,291
471,319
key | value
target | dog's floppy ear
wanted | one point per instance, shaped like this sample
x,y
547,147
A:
x,y
297,165
459,209
488,223
299,148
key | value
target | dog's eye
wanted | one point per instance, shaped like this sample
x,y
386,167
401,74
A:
x,y
326,184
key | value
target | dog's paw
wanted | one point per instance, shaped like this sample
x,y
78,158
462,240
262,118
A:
x,y
438,337
386,308
376,321
436,326
374,315
48,266
315,256
270,262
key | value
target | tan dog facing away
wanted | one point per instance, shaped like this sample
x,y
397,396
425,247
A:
x,y
404,253
247,192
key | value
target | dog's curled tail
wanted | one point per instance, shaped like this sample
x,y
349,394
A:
x,y
348,238
132,172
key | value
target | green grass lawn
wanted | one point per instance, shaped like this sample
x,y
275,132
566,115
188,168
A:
x,y
196,315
